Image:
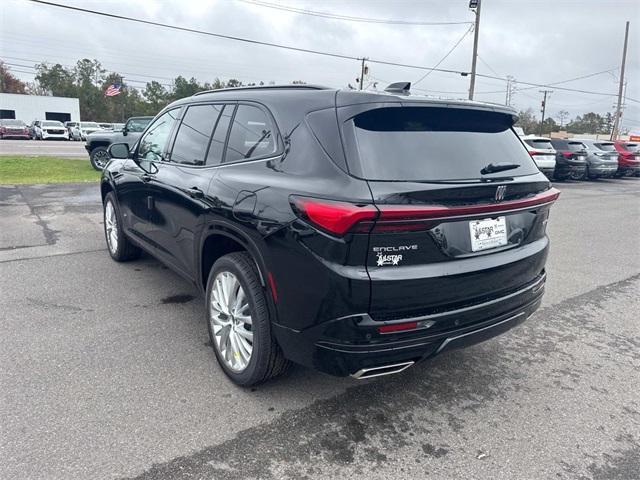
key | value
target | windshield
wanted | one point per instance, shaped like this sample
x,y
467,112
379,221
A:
x,y
607,147
138,124
631,146
576,146
434,144
12,123
540,144
89,125
52,124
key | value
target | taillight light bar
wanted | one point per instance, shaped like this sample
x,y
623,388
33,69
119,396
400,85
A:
x,y
342,217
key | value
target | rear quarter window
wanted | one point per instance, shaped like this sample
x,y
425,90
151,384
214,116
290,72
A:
x,y
433,144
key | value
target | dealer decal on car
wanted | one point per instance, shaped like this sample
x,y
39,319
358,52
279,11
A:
x,y
386,258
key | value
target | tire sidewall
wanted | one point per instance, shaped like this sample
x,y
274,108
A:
x,y
260,323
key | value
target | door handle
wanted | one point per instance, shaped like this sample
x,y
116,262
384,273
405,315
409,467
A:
x,y
195,192
146,177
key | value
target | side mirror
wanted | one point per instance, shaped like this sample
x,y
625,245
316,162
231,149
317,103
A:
x,y
125,130
118,150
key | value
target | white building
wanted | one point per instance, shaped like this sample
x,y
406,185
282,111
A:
x,y
35,107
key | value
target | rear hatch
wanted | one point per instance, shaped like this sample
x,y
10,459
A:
x,y
542,152
462,206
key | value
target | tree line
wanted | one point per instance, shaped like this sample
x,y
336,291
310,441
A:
x,y
88,81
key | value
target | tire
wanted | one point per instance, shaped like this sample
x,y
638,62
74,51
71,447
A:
x,y
265,360
586,174
119,246
99,157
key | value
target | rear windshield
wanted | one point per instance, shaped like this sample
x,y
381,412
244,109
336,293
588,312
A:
x,y
607,147
540,144
632,146
576,146
12,123
52,124
434,144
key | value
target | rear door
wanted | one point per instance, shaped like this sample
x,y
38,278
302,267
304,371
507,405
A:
x,y
542,152
447,234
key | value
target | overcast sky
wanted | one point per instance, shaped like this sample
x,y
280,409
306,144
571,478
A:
x,y
538,41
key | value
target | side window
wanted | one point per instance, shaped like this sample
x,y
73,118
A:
x,y
216,149
252,135
195,131
155,139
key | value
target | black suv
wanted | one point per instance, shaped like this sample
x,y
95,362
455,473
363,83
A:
x,y
353,232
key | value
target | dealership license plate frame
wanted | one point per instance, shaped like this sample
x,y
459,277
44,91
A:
x,y
488,233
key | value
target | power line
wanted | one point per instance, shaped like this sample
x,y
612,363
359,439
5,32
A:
x,y
455,45
298,49
335,16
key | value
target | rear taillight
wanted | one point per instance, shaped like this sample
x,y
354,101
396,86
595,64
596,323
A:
x,y
341,217
533,152
568,154
334,217
398,327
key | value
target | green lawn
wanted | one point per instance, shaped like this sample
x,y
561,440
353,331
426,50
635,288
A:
x,y
25,170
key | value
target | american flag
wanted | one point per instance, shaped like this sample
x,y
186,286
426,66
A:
x,y
113,90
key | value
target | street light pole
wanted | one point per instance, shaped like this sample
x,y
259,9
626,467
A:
x,y
616,122
475,6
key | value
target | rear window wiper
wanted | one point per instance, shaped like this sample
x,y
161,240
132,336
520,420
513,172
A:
x,y
498,167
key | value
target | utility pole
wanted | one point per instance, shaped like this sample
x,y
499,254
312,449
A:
x,y
510,88
122,93
616,122
362,72
544,108
475,6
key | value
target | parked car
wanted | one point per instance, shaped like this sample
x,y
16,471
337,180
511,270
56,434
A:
x,y
71,126
14,129
50,130
282,205
117,127
600,162
105,126
32,129
571,159
628,158
543,153
87,128
98,142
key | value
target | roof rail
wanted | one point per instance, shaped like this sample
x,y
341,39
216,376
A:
x,y
265,87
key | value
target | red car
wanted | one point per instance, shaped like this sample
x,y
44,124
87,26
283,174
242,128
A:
x,y
628,158
10,128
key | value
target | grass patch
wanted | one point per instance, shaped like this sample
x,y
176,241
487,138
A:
x,y
22,170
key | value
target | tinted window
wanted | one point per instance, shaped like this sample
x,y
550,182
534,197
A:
x,y
138,124
631,146
52,124
155,139
607,147
216,149
252,135
540,144
432,144
576,146
193,136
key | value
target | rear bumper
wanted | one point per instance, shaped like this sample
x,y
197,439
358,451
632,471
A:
x,y
564,171
348,345
16,135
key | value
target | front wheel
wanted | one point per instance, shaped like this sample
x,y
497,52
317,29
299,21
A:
x,y
239,324
99,158
120,247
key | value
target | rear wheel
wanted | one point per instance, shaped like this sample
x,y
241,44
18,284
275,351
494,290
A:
x,y
99,158
239,324
120,247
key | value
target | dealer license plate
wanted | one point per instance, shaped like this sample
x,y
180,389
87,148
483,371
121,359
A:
x,y
488,233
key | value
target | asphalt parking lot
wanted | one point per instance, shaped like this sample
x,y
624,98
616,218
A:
x,y
33,148
106,371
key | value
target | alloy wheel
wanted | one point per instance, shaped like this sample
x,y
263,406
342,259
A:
x,y
111,226
231,321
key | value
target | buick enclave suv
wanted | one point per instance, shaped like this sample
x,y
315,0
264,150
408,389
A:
x,y
353,232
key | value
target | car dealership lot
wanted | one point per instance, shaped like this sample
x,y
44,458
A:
x,y
106,370
33,148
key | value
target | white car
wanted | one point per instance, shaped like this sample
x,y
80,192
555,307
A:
x,y
50,130
85,128
542,152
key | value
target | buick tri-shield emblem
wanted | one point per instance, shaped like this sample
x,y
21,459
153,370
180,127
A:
x,y
500,192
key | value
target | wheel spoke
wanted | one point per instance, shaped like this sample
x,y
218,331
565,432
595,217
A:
x,y
245,334
246,319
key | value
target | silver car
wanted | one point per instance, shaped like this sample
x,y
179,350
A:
x,y
542,152
602,158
